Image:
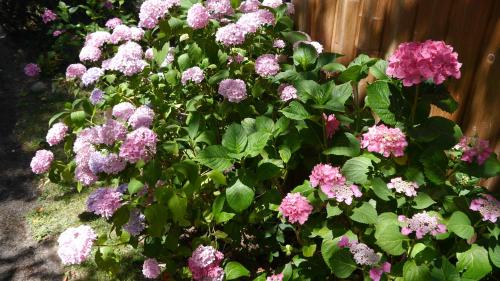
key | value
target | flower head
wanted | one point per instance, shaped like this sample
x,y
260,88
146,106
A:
x,y
32,70
272,3
128,60
295,208
151,269
112,23
97,39
287,92
123,111
48,16
249,6
474,148
234,90
275,277
487,206
250,22
204,264
104,202
385,140
193,74
96,96
326,177
92,75
90,53
57,33
422,224
331,124
41,161
404,187
230,35
197,16
75,244
140,144
376,272
267,65
278,43
219,8
152,11
75,70
363,255
56,134
135,224
142,117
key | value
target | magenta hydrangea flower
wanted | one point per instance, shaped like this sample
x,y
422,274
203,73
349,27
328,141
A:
x,y
97,39
267,65
487,206
57,33
41,161
230,35
326,177
152,11
287,92
48,16
385,140
151,269
415,62
193,74
234,90
404,187
278,43
32,70
142,117
92,75
272,3
75,244
331,125
421,224
249,6
104,202
197,16
377,272
136,221
295,208
96,96
219,8
275,277
474,148
140,144
57,133
90,53
250,22
75,70
112,23
123,111
204,264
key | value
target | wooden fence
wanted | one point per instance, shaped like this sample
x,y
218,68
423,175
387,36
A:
x,y
376,27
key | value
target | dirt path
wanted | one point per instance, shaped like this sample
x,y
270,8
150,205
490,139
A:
x,y
21,258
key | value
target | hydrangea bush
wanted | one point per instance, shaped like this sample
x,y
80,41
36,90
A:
x,y
228,146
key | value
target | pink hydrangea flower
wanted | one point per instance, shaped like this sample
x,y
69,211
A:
x,y
404,187
267,65
230,35
249,6
385,141
57,133
193,74
275,277
152,11
128,59
110,132
219,8
287,92
48,16
75,70
75,244
272,3
235,59
149,54
32,70
487,206
108,163
204,264
151,269
136,33
57,33
344,193
278,43
90,53
140,144
142,117
474,148
97,39
84,175
295,208
112,23
250,22
96,96
120,33
421,224
326,177
41,161
123,111
92,75
234,90
104,202
376,272
290,9
197,16
414,62
331,125
364,255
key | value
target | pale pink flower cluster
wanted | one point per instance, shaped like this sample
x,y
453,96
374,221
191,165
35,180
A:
x,y
197,16
204,264
272,3
48,16
139,144
287,92
127,60
234,90
90,53
193,74
404,187
250,22
32,70
487,206
75,244
474,148
57,33
421,224
110,163
230,35
92,75
122,33
152,11
333,183
75,70
238,58
142,117
278,43
249,6
385,140
219,8
57,133
363,255
151,269
123,111
267,65
275,277
331,125
104,202
41,161
97,39
415,62
112,23
296,208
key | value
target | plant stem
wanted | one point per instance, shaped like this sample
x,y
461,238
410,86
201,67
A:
x,y
414,105
355,92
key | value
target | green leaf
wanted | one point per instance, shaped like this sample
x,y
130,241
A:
x,y
337,259
219,76
159,56
365,214
264,124
215,157
422,201
378,69
445,272
435,165
224,217
414,272
78,117
352,73
346,145
474,263
235,139
307,89
304,55
390,239
134,186
332,211
460,224
55,117
239,196
378,99
380,189
340,94
256,143
296,111
333,67
308,250
218,205
235,270
495,255
217,176
356,169
294,36
178,207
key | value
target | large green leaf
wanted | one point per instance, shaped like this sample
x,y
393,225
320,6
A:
x,y
459,224
256,143
445,271
178,206
378,99
380,189
304,55
338,260
239,196
235,139
365,214
414,272
435,165
474,263
295,111
356,169
340,94
234,270
390,239
307,89
346,145
215,157
422,201
494,253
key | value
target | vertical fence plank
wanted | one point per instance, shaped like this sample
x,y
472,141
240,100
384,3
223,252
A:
x,y
399,24
371,27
